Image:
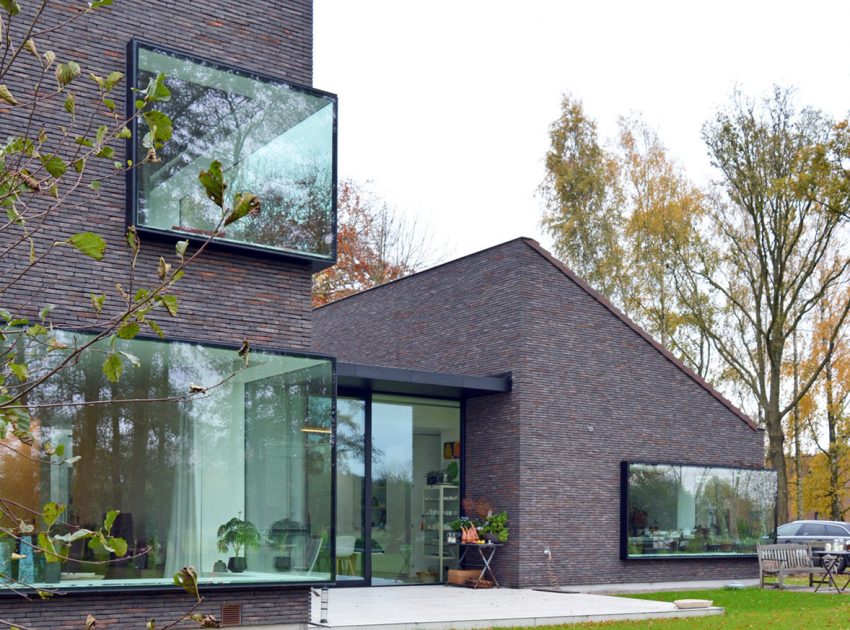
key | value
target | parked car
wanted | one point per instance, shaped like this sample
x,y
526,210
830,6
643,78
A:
x,y
816,533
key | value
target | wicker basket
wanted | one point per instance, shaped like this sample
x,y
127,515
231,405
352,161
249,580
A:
x,y
458,577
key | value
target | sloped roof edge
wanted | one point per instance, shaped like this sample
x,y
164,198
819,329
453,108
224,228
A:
x,y
640,331
533,244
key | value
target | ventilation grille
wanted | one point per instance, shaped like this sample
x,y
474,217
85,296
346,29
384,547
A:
x,y
231,614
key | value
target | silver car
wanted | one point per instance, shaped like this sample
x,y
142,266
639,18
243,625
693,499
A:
x,y
818,534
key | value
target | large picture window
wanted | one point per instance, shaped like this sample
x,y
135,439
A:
x,y
274,139
235,482
683,511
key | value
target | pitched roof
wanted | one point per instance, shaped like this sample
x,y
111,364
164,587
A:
x,y
596,295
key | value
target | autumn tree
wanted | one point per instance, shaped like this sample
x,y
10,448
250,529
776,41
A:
x,y
622,218
583,201
375,245
826,411
774,238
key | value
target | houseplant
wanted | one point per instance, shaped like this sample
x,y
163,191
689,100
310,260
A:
x,y
240,535
495,527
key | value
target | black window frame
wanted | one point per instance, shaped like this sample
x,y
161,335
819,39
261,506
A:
x,y
316,262
624,515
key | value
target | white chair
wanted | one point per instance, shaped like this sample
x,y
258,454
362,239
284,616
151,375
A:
x,y
345,557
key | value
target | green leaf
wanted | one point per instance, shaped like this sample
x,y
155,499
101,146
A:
x,y
132,239
106,152
113,367
187,577
54,165
101,134
160,128
245,204
59,452
51,512
156,328
45,310
19,370
163,268
89,243
109,519
36,330
170,304
84,142
67,72
6,95
181,248
157,91
10,6
125,133
131,358
77,534
213,183
46,545
96,4
79,165
128,331
71,103
94,185
117,545
97,302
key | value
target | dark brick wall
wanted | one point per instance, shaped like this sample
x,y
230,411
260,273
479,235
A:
x,y
133,610
224,297
227,296
588,392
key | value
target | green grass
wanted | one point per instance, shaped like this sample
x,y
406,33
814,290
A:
x,y
750,608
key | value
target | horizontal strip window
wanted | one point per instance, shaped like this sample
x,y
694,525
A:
x,y
273,139
235,481
679,511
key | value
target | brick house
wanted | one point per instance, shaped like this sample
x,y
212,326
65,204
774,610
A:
x,y
589,391
340,454
259,449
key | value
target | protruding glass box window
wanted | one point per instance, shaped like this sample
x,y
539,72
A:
x,y
235,481
672,510
272,138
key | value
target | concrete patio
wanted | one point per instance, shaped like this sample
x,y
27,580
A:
x,y
445,607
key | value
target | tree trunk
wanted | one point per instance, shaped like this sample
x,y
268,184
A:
x,y
798,456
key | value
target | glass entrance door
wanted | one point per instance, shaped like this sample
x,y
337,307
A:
x,y
409,436
398,488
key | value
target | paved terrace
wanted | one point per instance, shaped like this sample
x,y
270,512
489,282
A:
x,y
445,607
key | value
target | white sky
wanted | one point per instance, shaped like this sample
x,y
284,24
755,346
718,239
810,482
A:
x,y
445,105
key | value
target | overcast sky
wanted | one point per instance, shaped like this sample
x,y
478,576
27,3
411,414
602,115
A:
x,y
445,105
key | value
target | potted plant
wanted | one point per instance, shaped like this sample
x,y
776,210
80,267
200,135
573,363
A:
x,y
240,535
495,527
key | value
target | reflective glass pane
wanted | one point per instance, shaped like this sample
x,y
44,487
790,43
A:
x,y
235,482
350,485
273,139
686,510
415,488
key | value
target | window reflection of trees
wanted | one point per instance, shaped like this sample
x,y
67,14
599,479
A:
x,y
243,124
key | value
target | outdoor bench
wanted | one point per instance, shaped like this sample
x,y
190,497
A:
x,y
782,560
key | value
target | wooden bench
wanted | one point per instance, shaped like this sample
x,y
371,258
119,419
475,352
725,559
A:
x,y
782,560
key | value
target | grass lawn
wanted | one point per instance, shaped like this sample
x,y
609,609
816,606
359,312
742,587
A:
x,y
748,608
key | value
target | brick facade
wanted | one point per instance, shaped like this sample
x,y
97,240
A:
x,y
135,609
589,390
224,298
228,296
